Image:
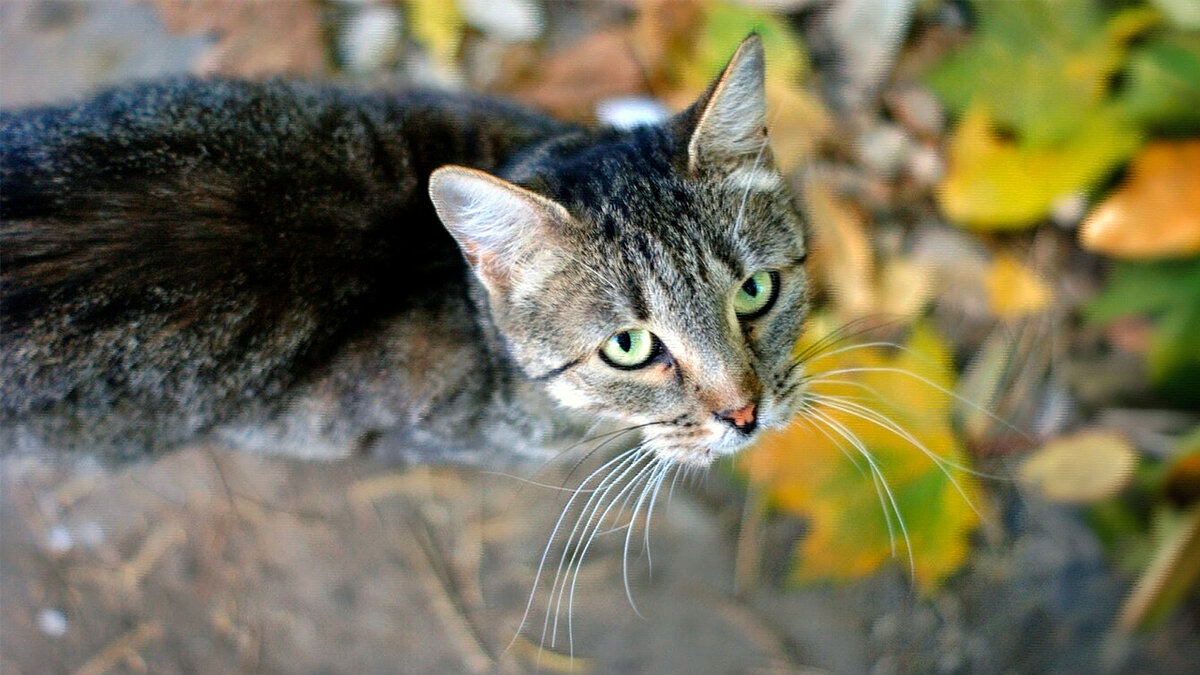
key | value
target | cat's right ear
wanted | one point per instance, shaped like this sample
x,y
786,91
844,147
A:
x,y
495,223
730,119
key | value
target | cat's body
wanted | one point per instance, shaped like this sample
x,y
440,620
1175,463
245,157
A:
x,y
261,265
205,262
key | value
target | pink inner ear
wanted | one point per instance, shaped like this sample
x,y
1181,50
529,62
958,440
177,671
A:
x,y
488,267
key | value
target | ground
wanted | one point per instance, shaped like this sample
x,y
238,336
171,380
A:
x,y
209,561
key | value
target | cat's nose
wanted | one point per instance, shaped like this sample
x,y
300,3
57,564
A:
x,y
742,419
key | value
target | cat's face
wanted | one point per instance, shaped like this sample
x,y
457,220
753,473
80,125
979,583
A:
x,y
655,276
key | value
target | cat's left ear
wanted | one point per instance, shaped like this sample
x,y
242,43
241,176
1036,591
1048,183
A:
x,y
730,124
497,225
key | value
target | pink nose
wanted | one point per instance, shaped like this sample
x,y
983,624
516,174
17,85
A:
x,y
742,419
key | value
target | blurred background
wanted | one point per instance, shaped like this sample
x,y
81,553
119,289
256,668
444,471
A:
x,y
1004,198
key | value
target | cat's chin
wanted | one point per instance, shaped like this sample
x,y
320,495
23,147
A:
x,y
731,445
694,457
704,455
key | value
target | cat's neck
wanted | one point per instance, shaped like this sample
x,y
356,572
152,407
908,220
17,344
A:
x,y
473,131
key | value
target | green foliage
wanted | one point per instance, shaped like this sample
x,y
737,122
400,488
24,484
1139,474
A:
x,y
1169,292
1054,99
1039,66
1163,83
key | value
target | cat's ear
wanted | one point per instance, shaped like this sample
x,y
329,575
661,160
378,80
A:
x,y
495,223
731,117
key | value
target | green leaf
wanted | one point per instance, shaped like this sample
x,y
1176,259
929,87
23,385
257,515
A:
x,y
996,183
1039,122
728,24
1163,78
1169,292
1039,66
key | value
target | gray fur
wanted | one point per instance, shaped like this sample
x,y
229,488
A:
x,y
169,279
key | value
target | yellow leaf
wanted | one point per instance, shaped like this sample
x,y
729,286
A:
x,y
842,255
905,286
1171,575
438,25
544,659
1013,289
814,470
1085,467
1156,212
796,118
996,183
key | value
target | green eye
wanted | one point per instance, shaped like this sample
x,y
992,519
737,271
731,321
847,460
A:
x,y
756,294
629,349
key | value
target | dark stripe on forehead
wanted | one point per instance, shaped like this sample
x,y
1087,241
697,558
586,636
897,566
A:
x,y
638,243
609,226
635,292
724,250
704,269
666,274
634,248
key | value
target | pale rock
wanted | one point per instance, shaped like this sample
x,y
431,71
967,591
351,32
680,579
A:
x,y
507,20
370,39
627,112
52,622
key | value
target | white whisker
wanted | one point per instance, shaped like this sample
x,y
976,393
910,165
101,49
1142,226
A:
x,y
807,422
625,555
679,468
650,514
883,399
522,479
632,452
613,478
875,480
858,345
938,387
644,472
846,433
888,424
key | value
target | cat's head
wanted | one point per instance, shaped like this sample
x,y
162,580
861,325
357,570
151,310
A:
x,y
653,275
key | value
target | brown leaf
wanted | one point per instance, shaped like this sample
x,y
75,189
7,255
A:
x,y
842,255
570,82
1082,468
636,59
1182,484
1133,334
256,38
1156,212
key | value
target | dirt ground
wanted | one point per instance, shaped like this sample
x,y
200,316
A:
x,y
208,561
215,562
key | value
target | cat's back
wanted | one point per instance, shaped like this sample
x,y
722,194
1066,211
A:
x,y
176,251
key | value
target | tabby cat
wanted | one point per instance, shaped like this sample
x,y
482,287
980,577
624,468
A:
x,y
306,270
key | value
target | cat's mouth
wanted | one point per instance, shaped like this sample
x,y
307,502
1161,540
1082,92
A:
x,y
700,447
733,442
703,452
776,414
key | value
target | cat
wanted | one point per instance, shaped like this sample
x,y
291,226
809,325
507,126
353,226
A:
x,y
426,277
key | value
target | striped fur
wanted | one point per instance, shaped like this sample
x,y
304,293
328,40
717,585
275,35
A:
x,y
261,264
